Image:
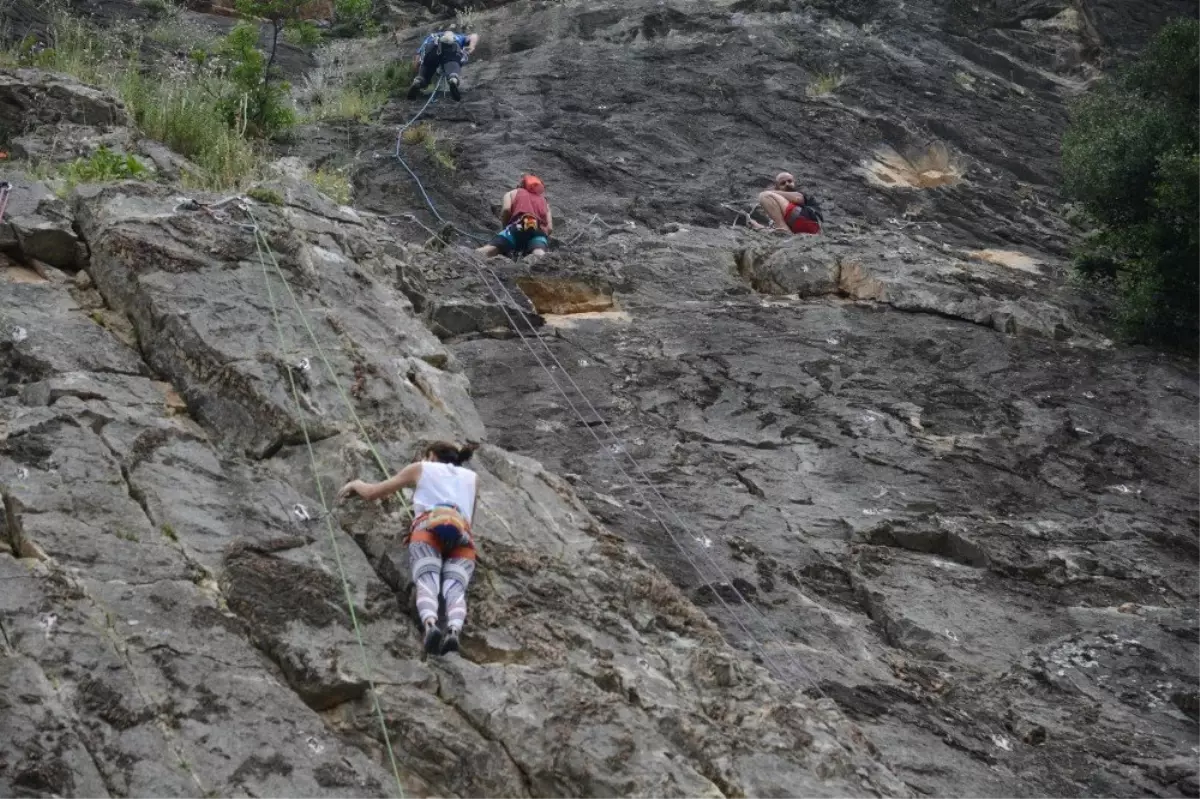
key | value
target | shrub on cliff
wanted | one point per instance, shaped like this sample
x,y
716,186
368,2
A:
x,y
1131,159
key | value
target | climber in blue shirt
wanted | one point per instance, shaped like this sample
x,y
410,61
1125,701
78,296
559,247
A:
x,y
445,49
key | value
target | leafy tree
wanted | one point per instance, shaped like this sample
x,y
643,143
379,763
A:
x,y
1131,159
259,106
354,15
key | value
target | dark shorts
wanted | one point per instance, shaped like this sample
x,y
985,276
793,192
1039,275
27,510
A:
x,y
512,240
449,59
797,222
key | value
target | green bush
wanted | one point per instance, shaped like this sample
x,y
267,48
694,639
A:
x,y
359,95
353,17
187,116
259,106
102,165
191,113
1131,159
302,33
390,79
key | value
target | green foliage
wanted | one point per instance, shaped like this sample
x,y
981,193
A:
x,y
188,112
334,184
361,94
354,17
1131,159
277,11
77,49
188,116
102,165
258,107
392,78
302,33
423,133
825,84
265,196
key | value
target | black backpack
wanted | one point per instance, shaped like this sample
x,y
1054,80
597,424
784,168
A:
x,y
812,210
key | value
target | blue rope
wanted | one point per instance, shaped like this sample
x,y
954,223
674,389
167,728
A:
x,y
403,163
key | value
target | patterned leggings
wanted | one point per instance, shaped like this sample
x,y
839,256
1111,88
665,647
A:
x,y
451,576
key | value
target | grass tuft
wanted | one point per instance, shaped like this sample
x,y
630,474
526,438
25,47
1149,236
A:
x,y
183,111
333,183
826,83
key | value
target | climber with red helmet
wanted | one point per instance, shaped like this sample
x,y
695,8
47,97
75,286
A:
x,y
527,222
788,209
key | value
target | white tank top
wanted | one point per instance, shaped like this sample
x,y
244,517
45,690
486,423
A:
x,y
445,484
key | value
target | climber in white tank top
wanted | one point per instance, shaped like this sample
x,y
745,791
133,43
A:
x,y
444,484
441,550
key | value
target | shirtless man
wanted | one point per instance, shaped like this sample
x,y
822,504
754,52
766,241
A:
x,y
787,208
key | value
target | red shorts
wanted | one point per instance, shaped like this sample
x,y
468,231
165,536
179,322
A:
x,y
798,223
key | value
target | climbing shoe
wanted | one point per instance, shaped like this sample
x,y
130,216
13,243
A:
x,y
454,89
433,639
450,642
414,89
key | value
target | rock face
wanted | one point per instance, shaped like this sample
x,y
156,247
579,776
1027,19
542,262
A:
x,y
980,545
30,97
176,623
881,512
946,498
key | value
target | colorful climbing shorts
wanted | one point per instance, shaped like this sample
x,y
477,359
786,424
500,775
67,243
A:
x,y
513,239
797,222
444,528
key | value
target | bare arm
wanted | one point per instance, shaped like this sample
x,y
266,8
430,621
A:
x,y
792,196
506,206
405,478
472,42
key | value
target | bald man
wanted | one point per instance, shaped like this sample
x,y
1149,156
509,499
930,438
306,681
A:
x,y
788,209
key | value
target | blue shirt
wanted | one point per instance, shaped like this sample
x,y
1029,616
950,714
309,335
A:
x,y
432,39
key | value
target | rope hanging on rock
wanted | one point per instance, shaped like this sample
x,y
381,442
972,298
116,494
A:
x,y
262,245
407,168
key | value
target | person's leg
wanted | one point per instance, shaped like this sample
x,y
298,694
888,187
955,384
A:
x,y
450,68
538,245
426,563
501,244
429,65
456,576
775,205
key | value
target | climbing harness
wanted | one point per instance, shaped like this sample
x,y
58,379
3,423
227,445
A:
x,y
263,246
526,223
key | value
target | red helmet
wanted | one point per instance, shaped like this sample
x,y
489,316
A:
x,y
532,184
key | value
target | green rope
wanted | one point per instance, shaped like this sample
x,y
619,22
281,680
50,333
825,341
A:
x,y
259,242
321,352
